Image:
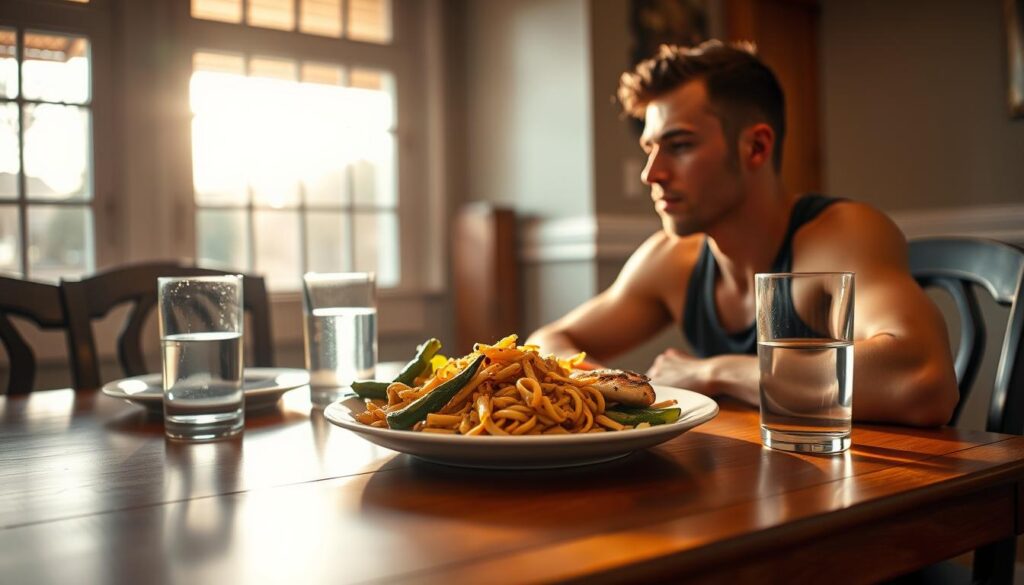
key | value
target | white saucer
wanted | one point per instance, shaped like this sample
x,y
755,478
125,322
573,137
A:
x,y
262,387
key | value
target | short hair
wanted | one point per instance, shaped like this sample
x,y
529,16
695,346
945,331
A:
x,y
742,90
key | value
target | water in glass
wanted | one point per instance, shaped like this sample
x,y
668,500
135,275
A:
x,y
341,345
806,393
203,396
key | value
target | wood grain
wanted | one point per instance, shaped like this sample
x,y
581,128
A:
x,y
89,487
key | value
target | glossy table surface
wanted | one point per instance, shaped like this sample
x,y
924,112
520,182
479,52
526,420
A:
x,y
90,491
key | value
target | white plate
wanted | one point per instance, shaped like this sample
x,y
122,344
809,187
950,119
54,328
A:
x,y
262,387
528,452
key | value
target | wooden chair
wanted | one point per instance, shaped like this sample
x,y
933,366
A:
x,y
37,302
959,266
94,297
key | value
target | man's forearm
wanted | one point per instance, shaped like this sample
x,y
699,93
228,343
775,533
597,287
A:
x,y
555,342
901,382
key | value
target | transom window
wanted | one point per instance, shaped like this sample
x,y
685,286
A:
x,y
358,20
46,163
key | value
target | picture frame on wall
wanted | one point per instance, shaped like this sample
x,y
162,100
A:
x,y
1015,55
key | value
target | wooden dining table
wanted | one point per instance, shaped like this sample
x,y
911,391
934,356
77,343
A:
x,y
92,492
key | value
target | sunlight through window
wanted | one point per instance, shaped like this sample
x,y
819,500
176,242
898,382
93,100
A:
x,y
295,163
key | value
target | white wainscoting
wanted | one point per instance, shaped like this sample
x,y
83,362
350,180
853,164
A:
x,y
614,237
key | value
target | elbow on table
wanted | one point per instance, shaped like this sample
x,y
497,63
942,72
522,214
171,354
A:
x,y
929,397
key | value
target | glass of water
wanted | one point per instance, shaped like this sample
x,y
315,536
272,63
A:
x,y
201,334
805,353
340,331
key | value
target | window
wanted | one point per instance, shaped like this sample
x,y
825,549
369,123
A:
x,y
360,20
46,166
295,160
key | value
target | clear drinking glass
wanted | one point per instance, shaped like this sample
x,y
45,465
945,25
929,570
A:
x,y
201,332
805,352
340,331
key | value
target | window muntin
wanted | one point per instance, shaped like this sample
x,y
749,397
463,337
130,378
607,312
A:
x,y
46,166
296,158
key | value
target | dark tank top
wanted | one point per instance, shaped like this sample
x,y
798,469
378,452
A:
x,y
700,318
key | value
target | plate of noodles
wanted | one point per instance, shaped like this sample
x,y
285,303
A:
x,y
505,406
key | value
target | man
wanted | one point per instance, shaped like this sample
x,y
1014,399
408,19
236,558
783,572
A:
x,y
714,126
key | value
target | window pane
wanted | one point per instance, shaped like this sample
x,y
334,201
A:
x,y
376,246
380,92
222,239
279,14
218,145
369,20
269,68
59,241
218,161
323,73
10,161
277,248
222,10
327,244
56,68
8,63
10,241
219,62
320,17
373,174
57,153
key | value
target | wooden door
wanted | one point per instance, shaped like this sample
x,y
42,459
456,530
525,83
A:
x,y
786,34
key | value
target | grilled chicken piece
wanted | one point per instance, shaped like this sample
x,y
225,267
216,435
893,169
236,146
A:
x,y
622,386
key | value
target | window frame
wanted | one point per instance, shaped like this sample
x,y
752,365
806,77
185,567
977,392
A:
x,y
95,22
398,57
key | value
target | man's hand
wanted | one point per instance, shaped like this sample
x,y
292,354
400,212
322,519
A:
x,y
723,375
677,368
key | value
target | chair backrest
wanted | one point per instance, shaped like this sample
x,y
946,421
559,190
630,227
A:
x,y
37,302
94,297
954,264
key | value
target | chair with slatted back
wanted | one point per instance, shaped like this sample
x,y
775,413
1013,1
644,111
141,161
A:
x,y
960,266
41,304
94,297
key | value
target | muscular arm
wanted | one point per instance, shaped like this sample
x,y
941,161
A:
x,y
903,370
630,311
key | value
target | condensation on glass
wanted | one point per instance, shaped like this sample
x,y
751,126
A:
x,y
360,20
46,166
298,159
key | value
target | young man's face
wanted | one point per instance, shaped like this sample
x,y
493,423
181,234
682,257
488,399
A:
x,y
694,184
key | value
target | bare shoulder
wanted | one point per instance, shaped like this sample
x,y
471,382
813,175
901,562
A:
x,y
662,258
847,233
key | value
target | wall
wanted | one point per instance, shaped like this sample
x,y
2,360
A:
x,y
915,112
528,131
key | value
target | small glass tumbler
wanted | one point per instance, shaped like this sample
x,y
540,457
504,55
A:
x,y
201,327
805,355
340,331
